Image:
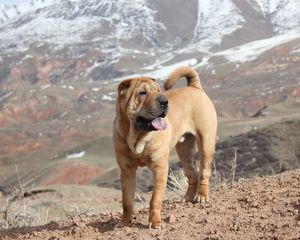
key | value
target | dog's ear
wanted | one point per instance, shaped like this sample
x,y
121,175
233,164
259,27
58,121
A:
x,y
153,79
123,86
155,83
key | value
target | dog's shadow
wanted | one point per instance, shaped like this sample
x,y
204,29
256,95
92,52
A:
x,y
112,224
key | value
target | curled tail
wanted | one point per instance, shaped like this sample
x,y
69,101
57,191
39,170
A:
x,y
190,74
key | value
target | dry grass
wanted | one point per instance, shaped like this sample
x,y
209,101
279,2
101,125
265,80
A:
x,y
16,213
16,217
178,182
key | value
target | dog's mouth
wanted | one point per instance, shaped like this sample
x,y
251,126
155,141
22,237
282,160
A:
x,y
153,124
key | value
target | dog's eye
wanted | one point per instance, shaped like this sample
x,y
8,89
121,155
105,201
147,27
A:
x,y
142,93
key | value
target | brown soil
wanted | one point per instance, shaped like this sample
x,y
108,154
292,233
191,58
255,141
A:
x,y
261,208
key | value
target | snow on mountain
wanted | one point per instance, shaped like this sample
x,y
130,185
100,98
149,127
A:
x,y
284,14
10,11
111,22
251,51
71,22
213,21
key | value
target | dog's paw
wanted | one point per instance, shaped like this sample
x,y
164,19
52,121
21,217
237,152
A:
x,y
156,225
123,223
201,198
188,198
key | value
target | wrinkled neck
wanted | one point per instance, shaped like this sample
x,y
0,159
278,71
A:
x,y
137,139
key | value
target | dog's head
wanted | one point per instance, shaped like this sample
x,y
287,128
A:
x,y
143,103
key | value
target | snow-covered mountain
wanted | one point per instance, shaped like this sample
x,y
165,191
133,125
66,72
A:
x,y
206,22
140,35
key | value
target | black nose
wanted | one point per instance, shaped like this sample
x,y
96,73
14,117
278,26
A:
x,y
163,101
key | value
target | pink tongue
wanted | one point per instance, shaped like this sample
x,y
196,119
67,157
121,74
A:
x,y
159,123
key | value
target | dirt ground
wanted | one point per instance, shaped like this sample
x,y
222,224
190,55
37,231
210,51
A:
x,y
261,208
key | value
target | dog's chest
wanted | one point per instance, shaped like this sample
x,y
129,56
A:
x,y
142,161
137,145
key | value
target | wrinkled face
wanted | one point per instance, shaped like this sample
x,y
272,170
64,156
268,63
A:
x,y
142,101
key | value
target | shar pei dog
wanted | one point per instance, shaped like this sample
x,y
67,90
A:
x,y
149,123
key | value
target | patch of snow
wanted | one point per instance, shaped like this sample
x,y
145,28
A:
x,y
75,155
70,87
252,50
95,89
28,57
216,86
161,72
204,62
45,86
110,96
40,45
296,51
95,65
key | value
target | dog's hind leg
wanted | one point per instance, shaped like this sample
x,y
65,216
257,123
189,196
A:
x,y
206,145
187,154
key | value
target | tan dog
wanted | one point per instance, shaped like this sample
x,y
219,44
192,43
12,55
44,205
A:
x,y
149,124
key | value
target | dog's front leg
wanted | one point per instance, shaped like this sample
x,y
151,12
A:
x,y
160,176
128,183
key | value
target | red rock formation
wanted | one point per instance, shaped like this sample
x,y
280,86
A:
x,y
73,173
